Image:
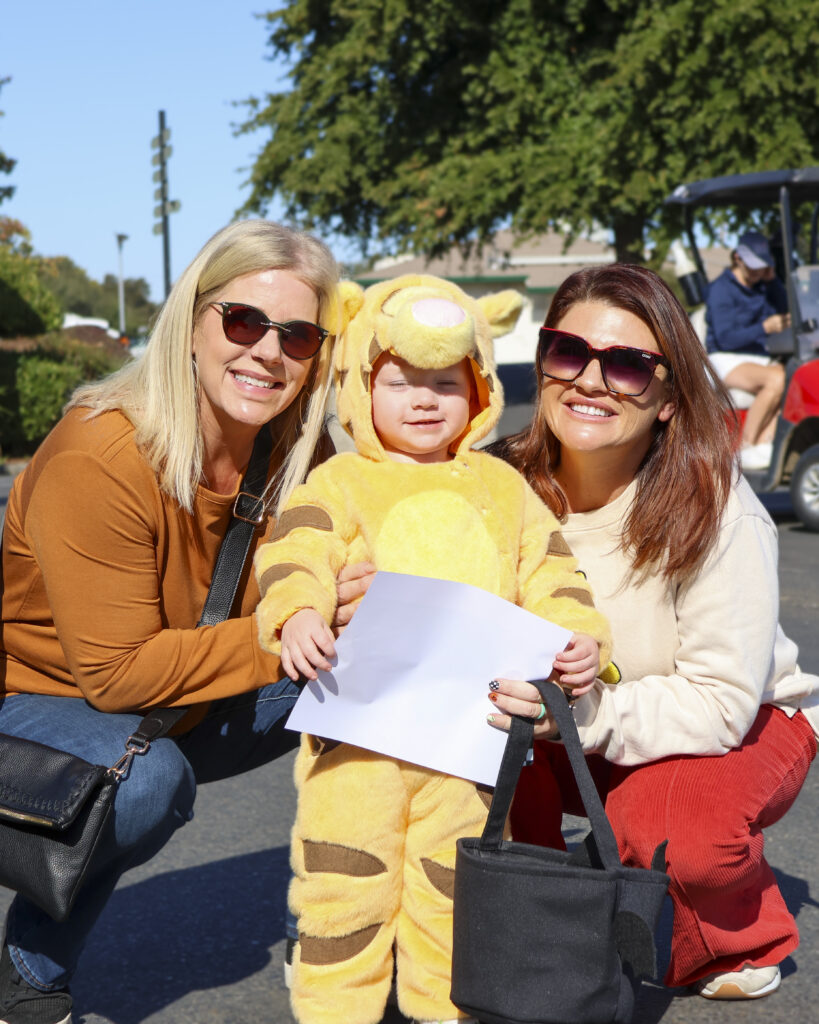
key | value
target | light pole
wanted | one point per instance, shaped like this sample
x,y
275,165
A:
x,y
121,287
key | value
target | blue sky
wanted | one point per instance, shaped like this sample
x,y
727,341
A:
x,y
87,81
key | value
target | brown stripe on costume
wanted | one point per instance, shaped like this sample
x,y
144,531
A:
x,y
341,860
581,596
321,745
484,793
303,515
321,951
278,572
441,878
374,352
558,545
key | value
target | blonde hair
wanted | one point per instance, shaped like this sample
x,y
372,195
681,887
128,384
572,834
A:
x,y
159,391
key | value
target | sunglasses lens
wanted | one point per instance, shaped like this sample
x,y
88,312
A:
x,y
627,371
563,357
243,325
300,339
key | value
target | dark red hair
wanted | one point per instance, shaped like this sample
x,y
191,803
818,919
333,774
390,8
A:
x,y
684,479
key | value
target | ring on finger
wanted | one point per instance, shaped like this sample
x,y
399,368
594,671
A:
x,y
542,713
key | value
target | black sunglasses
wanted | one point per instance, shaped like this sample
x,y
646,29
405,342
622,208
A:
x,y
245,325
625,370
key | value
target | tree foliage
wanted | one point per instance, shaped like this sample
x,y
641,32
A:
x,y
81,294
423,125
6,163
27,307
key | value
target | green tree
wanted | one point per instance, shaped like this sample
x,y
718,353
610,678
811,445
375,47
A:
x,y
139,310
422,125
81,294
76,291
27,306
6,163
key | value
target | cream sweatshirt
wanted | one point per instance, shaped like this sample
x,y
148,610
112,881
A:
x,y
696,660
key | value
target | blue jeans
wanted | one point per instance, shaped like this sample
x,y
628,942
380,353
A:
x,y
238,734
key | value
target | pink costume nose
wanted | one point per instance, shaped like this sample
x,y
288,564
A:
x,y
438,313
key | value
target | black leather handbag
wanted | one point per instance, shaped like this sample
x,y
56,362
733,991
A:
x,y
545,936
54,806
53,810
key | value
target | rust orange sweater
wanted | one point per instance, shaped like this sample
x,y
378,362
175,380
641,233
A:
x,y
105,578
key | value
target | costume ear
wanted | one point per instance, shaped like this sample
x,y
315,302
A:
x,y
350,300
502,310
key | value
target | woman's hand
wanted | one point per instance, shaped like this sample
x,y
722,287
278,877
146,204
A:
x,y
776,323
307,643
351,585
516,697
575,668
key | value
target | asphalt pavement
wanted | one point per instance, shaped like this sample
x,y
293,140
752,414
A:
x,y
197,935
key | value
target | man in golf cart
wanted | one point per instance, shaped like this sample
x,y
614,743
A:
x,y
745,304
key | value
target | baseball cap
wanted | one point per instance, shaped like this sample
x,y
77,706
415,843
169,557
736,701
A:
x,y
754,251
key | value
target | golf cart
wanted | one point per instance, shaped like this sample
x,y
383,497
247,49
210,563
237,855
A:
x,y
795,459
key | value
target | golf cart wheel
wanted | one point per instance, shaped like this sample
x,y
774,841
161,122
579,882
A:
x,y
805,488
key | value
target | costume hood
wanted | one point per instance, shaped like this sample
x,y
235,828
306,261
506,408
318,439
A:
x,y
431,323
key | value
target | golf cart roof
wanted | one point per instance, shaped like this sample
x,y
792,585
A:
x,y
758,189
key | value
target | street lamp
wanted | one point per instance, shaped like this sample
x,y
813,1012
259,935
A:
x,y
121,287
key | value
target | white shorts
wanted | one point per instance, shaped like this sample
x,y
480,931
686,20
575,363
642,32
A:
x,y
724,362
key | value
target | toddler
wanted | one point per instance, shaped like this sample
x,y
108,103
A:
x,y
373,847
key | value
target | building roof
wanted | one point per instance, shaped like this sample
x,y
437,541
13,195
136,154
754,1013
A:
x,y
535,264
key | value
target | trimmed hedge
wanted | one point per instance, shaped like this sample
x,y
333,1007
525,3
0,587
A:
x,y
36,383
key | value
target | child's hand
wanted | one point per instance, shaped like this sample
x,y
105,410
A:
x,y
307,643
577,666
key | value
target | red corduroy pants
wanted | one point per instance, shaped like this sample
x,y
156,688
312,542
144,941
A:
x,y
728,910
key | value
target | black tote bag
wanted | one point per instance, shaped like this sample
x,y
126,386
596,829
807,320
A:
x,y
545,936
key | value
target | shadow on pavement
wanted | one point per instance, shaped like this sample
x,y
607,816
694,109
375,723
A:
x,y
795,891
183,931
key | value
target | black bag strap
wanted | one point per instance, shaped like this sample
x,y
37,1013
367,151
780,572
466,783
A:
x,y
519,741
248,513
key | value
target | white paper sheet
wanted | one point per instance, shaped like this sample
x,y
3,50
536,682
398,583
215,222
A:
x,y
413,669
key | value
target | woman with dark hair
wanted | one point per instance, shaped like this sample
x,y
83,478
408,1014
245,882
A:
x,y
709,734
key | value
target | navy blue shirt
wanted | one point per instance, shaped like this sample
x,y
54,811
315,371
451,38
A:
x,y
734,313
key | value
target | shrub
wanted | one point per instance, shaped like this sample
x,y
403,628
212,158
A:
x,y
27,307
35,385
43,387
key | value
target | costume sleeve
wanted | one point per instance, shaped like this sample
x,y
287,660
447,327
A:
x,y
736,325
298,568
93,534
727,624
549,581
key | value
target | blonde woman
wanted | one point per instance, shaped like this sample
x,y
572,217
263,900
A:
x,y
111,535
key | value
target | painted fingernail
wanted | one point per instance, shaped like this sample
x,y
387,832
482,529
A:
x,y
494,685
490,719
493,697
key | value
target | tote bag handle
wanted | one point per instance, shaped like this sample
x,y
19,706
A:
x,y
519,741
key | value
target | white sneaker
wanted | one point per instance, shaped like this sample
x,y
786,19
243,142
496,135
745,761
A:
x,y
756,456
746,983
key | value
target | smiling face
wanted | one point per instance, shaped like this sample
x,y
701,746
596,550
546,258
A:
x,y
243,387
419,413
582,414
